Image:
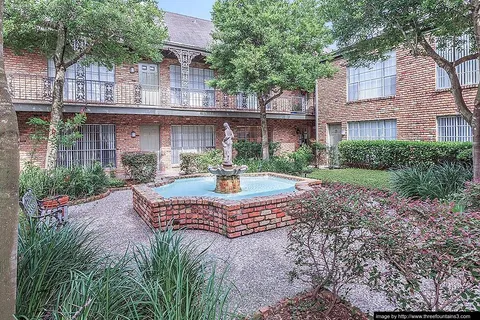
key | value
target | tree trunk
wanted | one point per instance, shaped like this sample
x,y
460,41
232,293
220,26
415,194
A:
x,y
263,124
56,115
475,124
9,171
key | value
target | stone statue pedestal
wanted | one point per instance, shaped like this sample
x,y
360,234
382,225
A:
x,y
228,177
228,184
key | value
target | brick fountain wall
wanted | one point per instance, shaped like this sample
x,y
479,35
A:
x,y
232,218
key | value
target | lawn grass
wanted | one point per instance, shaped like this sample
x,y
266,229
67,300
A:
x,y
360,177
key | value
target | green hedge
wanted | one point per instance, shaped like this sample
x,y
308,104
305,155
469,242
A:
x,y
383,154
293,163
199,162
140,166
253,150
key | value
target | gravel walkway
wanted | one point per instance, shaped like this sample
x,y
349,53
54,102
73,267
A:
x,y
257,263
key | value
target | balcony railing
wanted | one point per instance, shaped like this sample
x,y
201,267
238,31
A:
x,y
38,88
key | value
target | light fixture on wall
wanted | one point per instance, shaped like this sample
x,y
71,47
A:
x,y
133,134
132,69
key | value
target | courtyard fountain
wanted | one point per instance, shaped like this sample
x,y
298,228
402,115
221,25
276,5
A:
x,y
227,174
260,204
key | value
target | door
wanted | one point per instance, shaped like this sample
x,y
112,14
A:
x,y
148,78
150,140
334,137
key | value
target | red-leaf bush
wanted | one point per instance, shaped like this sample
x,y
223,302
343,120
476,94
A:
x,y
422,254
328,238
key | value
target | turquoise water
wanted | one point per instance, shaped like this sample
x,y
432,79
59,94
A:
x,y
205,186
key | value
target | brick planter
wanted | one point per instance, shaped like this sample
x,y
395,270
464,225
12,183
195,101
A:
x,y
232,218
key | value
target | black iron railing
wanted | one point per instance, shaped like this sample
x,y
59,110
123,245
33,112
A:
x,y
25,87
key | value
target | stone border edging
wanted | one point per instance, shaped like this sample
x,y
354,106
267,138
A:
x,y
96,197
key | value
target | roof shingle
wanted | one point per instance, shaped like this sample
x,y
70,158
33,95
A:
x,y
188,31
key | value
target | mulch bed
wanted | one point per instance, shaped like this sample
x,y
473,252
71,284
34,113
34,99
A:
x,y
306,306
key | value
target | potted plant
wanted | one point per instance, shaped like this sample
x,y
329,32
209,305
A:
x,y
55,200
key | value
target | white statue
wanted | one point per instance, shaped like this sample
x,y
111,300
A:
x,y
227,145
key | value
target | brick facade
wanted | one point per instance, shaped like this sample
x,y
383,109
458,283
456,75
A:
x,y
283,131
415,106
29,65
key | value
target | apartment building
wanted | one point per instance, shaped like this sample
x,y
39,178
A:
x,y
402,97
167,107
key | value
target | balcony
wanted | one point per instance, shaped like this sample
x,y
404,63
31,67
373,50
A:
x,y
37,88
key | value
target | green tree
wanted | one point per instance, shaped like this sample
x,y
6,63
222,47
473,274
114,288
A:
x,y
9,171
264,47
366,30
109,32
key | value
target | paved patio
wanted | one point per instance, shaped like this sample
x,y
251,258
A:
x,y
257,263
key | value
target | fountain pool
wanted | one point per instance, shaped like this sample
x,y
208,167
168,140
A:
x,y
205,187
190,202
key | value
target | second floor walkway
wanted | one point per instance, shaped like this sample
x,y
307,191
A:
x,y
38,89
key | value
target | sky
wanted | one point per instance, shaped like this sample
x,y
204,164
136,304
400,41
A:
x,y
195,8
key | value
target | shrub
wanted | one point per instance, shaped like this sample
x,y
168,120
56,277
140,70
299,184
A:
x,y
430,181
318,151
115,183
76,182
383,154
188,162
253,150
292,163
301,158
422,254
199,162
140,166
428,255
469,198
209,158
327,240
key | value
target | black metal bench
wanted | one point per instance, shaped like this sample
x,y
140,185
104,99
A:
x,y
38,209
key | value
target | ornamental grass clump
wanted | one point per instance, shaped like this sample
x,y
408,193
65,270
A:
x,y
46,258
430,181
175,283
63,275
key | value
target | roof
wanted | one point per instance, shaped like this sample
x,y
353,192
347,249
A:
x,y
189,31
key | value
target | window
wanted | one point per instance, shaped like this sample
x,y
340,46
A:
x,y
97,144
199,93
453,128
194,139
377,80
96,87
248,133
467,72
247,101
372,130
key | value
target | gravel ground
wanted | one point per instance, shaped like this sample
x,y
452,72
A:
x,y
257,263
